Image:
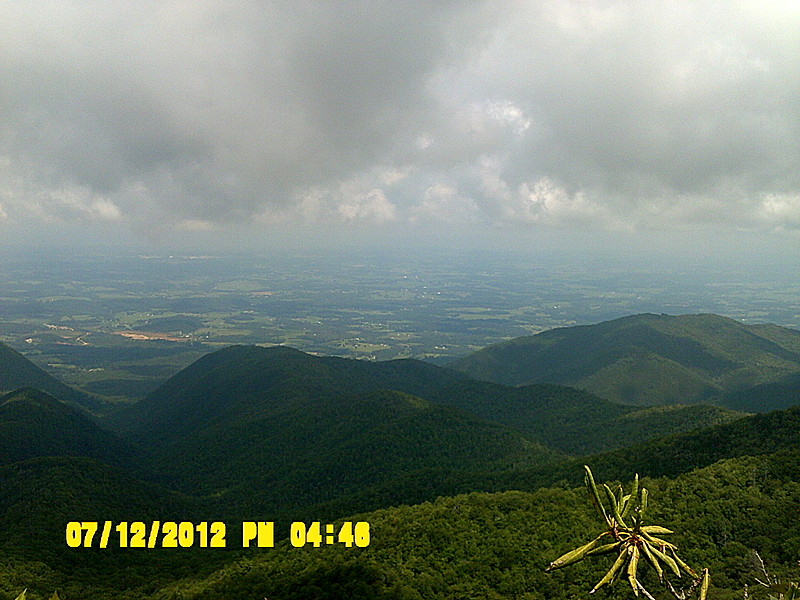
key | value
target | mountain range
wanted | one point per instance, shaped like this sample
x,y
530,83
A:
x,y
653,359
255,433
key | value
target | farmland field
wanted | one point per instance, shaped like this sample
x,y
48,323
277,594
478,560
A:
x,y
119,324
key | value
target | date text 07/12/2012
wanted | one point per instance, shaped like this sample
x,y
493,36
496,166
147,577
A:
x,y
186,534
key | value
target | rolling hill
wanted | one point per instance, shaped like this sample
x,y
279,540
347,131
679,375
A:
x,y
240,382
34,424
669,456
275,428
496,546
575,421
248,413
273,433
647,359
673,455
775,395
38,497
16,372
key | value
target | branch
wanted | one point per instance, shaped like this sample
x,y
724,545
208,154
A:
x,y
644,591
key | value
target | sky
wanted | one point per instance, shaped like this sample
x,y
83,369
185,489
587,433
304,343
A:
x,y
469,121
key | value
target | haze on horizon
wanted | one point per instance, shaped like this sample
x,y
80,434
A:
x,y
626,124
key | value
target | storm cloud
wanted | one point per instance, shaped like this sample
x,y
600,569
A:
x,y
201,115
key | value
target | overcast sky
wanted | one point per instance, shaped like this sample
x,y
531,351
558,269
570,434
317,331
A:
x,y
213,118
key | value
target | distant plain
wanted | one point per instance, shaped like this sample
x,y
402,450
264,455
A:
x,y
118,324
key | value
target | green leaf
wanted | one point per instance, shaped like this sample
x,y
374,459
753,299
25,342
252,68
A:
x,y
612,572
657,529
604,549
687,569
666,559
704,584
633,564
594,495
577,554
612,500
651,558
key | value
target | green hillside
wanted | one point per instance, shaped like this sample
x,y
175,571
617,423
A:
x,y
672,455
319,450
496,546
477,545
240,382
767,396
251,433
309,431
33,423
647,359
16,371
40,496
243,383
575,421
481,545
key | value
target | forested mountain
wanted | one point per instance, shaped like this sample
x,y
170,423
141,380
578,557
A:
x,y
647,359
669,456
575,421
251,433
243,383
497,546
33,424
276,428
303,430
16,371
55,490
766,396
240,382
672,455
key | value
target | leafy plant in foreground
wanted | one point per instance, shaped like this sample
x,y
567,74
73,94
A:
x,y
632,541
779,590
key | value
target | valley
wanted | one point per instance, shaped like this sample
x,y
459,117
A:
x,y
468,487
450,408
399,300
117,324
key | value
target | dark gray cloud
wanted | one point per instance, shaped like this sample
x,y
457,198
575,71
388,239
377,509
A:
x,y
619,115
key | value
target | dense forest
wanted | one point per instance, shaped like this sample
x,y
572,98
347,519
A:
x,y
459,487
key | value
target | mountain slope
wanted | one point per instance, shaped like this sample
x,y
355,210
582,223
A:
x,y
299,444
33,423
750,436
16,372
673,455
496,546
325,450
775,395
276,429
669,456
38,497
645,359
241,382
248,382
575,421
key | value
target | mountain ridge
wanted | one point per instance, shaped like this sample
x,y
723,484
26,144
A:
x,y
35,424
645,359
18,371
283,435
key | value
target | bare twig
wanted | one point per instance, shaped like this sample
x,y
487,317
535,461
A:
x,y
644,591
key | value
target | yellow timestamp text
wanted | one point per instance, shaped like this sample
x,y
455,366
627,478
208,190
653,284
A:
x,y
186,534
